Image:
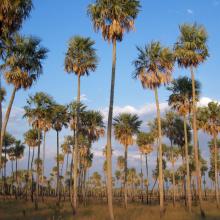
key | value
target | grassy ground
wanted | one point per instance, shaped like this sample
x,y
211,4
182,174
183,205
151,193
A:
x,y
15,210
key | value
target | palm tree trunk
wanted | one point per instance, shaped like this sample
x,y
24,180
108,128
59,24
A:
x,y
32,177
109,133
125,181
189,197
7,115
1,99
71,171
38,170
58,170
173,176
216,171
147,179
44,148
16,169
160,155
76,151
195,144
142,180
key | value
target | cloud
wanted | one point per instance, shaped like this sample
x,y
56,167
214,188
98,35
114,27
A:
x,y
190,11
83,98
204,101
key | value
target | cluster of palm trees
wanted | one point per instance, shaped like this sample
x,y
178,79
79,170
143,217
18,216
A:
x,y
21,64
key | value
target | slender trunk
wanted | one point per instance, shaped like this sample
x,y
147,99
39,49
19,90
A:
x,y
7,115
1,99
195,144
125,180
58,170
160,155
189,197
76,151
71,171
38,169
147,179
16,169
173,175
12,171
142,180
32,177
44,148
216,171
109,134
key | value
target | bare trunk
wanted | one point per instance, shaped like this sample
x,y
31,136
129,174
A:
x,y
173,176
125,180
7,115
44,148
142,181
147,179
216,172
109,134
75,177
58,170
189,197
160,155
195,144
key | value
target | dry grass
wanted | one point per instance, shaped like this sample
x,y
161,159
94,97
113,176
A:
x,y
15,210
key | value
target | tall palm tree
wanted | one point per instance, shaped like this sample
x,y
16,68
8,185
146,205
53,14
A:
x,y
80,59
113,18
208,119
125,127
145,142
190,51
38,107
181,101
60,119
22,67
12,15
153,67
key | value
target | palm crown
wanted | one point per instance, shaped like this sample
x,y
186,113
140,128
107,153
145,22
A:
x,y
125,126
191,48
23,65
81,56
114,17
154,65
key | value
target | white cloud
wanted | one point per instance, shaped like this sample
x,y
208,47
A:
x,y
189,11
83,98
204,101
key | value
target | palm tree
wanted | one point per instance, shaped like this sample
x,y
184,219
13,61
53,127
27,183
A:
x,y
153,67
60,119
125,127
190,51
208,119
80,59
31,139
144,142
181,101
12,15
37,109
22,68
18,153
113,18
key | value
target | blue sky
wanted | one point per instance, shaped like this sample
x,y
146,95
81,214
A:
x,y
55,21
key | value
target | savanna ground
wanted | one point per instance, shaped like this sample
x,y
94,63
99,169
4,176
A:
x,y
15,210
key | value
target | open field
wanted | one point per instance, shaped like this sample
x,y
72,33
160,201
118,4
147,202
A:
x,y
14,210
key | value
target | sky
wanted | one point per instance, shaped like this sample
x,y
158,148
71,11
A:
x,y
55,22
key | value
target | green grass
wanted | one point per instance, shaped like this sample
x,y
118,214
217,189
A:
x,y
14,210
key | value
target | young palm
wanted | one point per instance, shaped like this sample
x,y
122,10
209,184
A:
x,y
113,18
125,127
22,68
153,67
80,59
208,119
190,51
145,142
181,101
60,119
